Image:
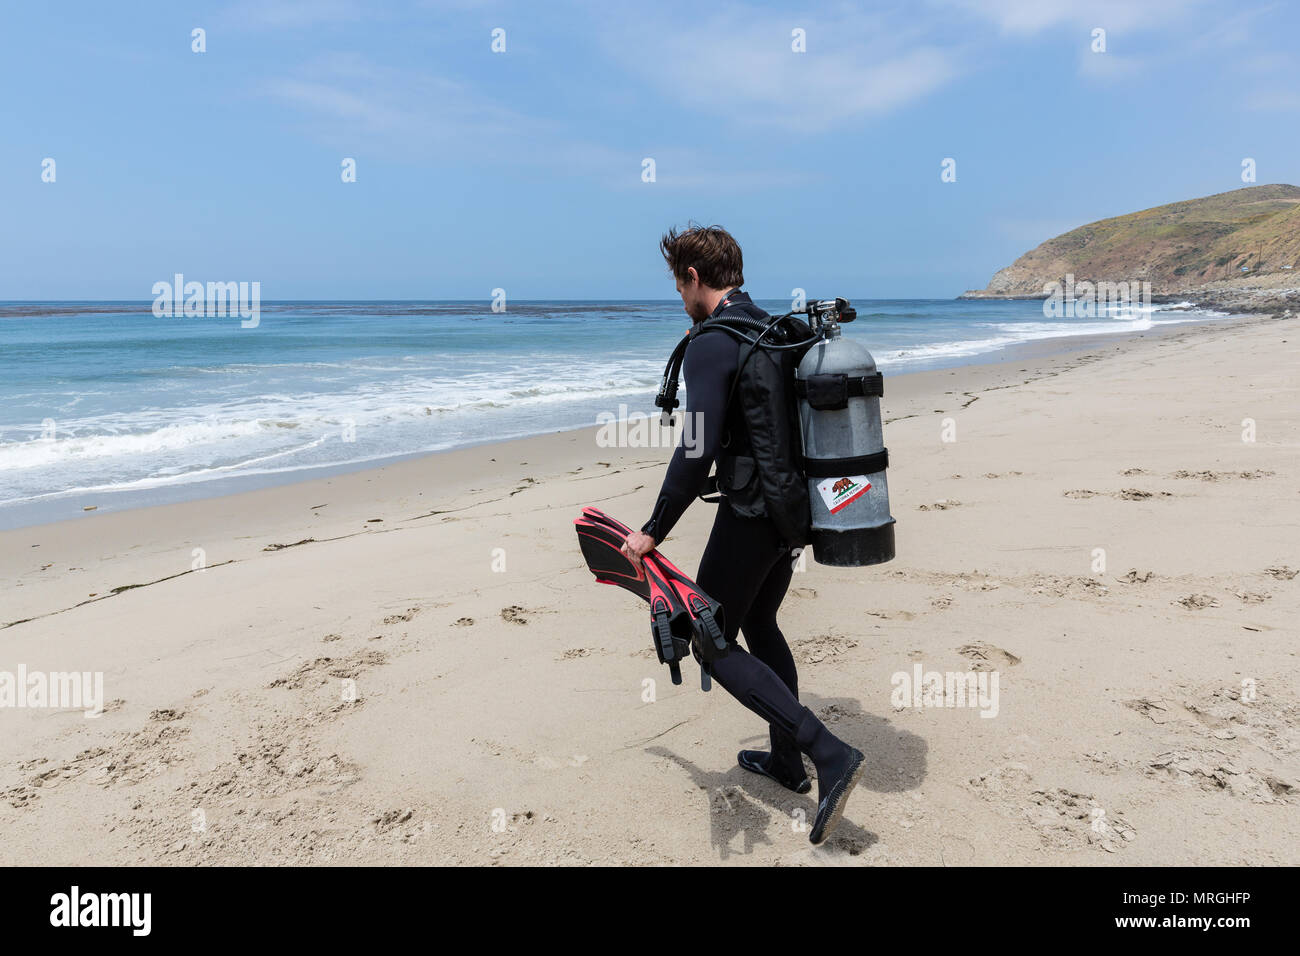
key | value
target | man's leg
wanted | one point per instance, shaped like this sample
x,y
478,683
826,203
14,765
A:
x,y
737,562
768,644
839,766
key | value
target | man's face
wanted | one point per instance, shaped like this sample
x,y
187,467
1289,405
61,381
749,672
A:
x,y
691,289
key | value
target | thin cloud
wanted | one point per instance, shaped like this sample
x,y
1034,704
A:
x,y
400,111
1028,17
354,104
738,65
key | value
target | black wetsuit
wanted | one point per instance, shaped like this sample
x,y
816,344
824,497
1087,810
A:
x,y
746,567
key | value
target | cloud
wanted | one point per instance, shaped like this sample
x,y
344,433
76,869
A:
x,y
1221,30
737,64
406,115
402,111
409,116
1028,17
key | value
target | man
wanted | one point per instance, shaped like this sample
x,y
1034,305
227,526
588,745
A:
x,y
746,566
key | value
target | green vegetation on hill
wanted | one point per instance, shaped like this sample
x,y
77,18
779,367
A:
x,y
1177,248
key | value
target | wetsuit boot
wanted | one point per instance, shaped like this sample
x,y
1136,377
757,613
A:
x,y
839,766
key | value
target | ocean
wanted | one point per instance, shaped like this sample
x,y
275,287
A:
x,y
98,398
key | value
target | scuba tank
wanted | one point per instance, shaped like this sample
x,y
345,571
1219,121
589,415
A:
x,y
844,456
830,492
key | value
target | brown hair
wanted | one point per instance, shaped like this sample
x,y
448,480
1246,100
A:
x,y
711,250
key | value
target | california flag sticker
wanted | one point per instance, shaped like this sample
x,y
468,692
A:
x,y
839,493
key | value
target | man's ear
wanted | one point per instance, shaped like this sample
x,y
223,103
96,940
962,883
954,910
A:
x,y
692,277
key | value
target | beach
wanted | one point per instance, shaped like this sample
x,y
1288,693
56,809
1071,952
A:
x,y
411,664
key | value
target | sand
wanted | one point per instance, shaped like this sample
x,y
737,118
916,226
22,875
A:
x,y
412,665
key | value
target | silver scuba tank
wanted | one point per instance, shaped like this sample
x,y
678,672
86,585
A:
x,y
839,392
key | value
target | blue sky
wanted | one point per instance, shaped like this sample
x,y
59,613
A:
x,y
522,169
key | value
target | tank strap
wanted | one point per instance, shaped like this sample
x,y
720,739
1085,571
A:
x,y
839,467
833,391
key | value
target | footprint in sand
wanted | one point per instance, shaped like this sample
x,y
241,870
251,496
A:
x,y
943,504
391,818
1251,597
463,622
132,758
1222,475
1135,576
1195,602
814,650
1137,494
968,581
892,615
1008,778
1124,494
1282,573
322,670
514,614
1156,710
834,713
1201,721
986,657
1062,819
1060,587
1268,723
278,759
402,618
1214,770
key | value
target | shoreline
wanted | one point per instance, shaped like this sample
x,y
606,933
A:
x,y
1241,299
72,506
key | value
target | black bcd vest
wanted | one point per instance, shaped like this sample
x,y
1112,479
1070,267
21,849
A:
x,y
759,468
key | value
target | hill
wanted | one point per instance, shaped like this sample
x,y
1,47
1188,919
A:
x,y
1244,241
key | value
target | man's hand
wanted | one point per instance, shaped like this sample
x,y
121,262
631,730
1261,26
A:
x,y
637,546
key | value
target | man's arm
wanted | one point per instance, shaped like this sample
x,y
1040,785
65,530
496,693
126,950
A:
x,y
709,365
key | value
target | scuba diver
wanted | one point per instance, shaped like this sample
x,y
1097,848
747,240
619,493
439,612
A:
x,y
747,564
